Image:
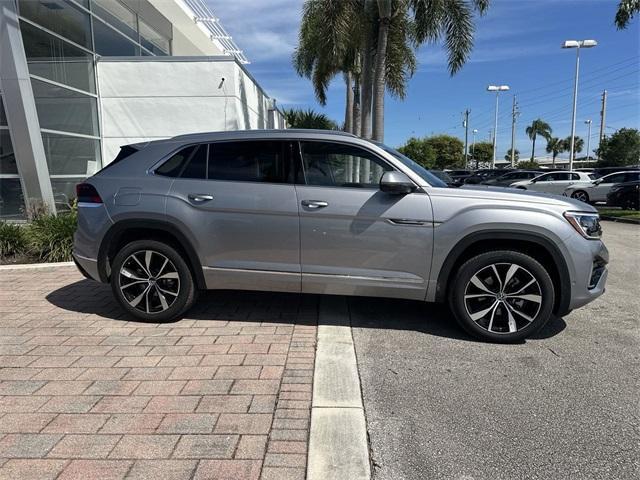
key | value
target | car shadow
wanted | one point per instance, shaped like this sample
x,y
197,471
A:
x,y
89,297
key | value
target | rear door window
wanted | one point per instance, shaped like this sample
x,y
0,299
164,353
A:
x,y
263,161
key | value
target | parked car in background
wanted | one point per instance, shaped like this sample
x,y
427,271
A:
x,y
508,178
602,171
445,177
554,182
597,190
625,195
284,211
479,176
459,176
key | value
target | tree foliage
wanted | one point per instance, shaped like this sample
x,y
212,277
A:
x,y
420,151
620,149
538,127
437,152
516,156
527,164
555,146
483,152
297,118
626,11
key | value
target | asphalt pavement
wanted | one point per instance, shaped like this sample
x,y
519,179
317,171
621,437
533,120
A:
x,y
563,405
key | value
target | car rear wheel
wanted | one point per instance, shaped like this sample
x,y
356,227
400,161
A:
x,y
152,282
502,296
581,195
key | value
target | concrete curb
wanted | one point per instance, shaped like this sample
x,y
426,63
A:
x,y
630,221
31,266
338,447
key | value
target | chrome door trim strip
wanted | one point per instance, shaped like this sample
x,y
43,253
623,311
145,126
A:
x,y
360,277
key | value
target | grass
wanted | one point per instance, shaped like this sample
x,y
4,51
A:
x,y
619,213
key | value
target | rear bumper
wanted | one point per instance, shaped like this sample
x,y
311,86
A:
x,y
87,266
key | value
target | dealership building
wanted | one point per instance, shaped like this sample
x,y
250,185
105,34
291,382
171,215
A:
x,y
80,78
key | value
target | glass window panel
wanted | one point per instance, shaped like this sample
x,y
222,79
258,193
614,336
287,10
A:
x,y
337,165
7,158
65,110
197,166
251,161
60,16
116,14
57,60
64,191
71,155
152,40
110,43
175,165
3,115
11,199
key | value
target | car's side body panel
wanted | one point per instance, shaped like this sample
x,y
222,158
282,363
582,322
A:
x,y
365,242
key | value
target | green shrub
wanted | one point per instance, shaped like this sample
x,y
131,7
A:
x,y
51,237
13,240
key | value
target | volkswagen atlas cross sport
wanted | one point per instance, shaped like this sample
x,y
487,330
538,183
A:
x,y
330,213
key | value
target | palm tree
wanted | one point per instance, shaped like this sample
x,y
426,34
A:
x,y
555,146
538,127
431,21
373,42
626,10
578,144
329,43
308,119
516,155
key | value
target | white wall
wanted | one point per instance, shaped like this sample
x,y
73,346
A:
x,y
147,99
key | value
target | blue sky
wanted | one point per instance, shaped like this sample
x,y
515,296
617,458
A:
x,y
517,44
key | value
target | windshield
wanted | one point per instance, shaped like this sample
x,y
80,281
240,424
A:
x,y
415,167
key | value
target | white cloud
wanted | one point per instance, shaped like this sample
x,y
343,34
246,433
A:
x,y
265,29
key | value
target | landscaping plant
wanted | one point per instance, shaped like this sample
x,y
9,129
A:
x,y
13,240
51,237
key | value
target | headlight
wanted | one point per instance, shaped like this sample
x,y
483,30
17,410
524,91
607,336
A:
x,y
587,224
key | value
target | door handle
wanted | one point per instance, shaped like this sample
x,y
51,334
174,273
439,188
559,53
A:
x,y
200,197
314,203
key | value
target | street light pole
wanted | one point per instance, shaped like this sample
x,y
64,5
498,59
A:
x,y
588,122
577,44
497,89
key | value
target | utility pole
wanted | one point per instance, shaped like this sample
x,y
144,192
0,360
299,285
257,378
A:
x,y
514,115
465,124
588,122
603,115
473,147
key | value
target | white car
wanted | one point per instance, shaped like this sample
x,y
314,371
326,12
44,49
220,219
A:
x,y
554,182
597,190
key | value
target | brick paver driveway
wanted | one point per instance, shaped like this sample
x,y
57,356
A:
x,y
87,393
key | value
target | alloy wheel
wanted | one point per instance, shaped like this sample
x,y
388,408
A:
x,y
503,298
149,281
581,196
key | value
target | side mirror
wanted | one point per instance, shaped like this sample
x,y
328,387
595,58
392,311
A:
x,y
396,183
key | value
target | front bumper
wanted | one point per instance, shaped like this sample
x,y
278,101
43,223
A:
x,y
591,272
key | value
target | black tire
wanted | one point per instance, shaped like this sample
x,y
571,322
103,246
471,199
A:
x,y
181,281
581,195
502,317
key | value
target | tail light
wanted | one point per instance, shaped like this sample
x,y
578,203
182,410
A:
x,y
87,193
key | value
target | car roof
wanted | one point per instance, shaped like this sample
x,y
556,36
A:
x,y
259,134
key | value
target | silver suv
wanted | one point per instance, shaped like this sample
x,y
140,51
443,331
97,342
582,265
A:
x,y
329,213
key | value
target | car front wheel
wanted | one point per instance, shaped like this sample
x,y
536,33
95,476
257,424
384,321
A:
x,y
151,281
581,195
502,296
